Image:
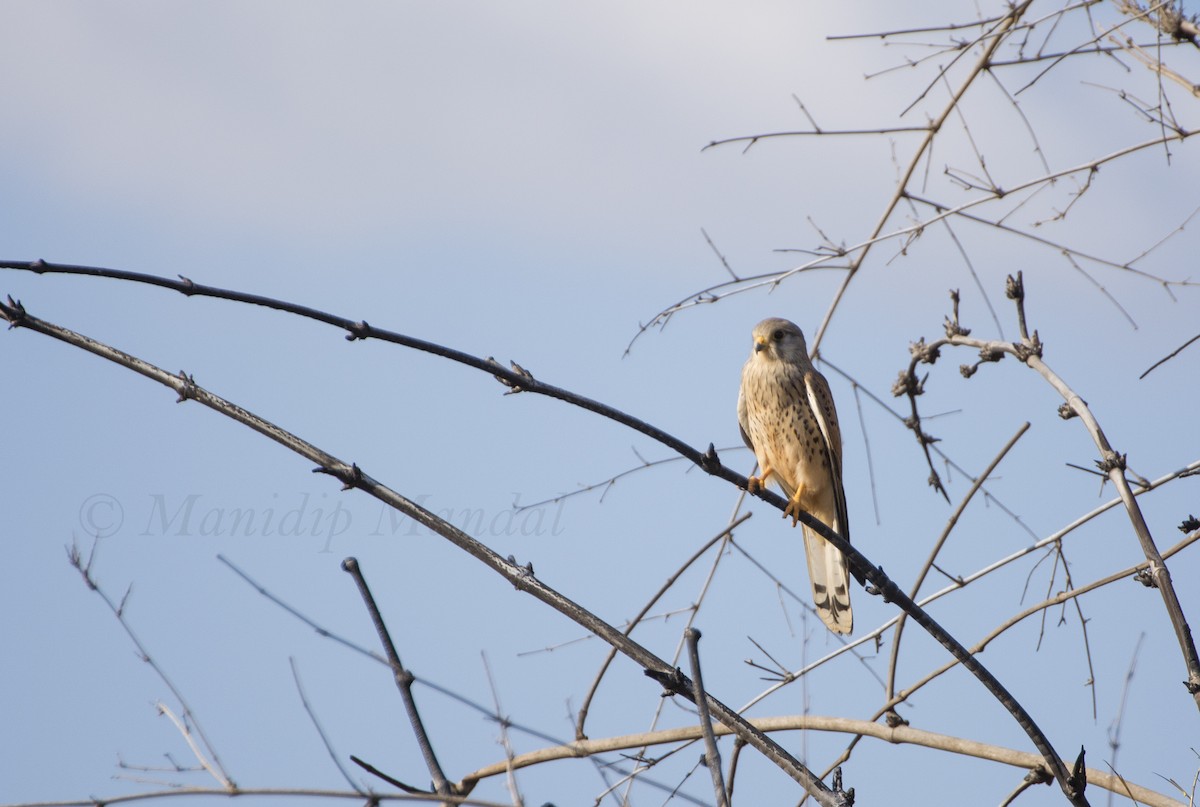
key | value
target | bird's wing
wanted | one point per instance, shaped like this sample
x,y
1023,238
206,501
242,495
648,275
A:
x,y
743,418
820,400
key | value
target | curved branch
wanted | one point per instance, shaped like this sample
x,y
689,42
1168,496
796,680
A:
x,y
522,577
900,735
520,380
285,792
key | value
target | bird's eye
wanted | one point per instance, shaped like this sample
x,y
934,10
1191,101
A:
x,y
778,335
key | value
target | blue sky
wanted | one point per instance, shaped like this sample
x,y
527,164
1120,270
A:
x,y
527,181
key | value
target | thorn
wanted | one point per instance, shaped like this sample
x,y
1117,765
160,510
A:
x,y
1077,781
523,373
673,682
709,460
349,479
39,266
17,315
359,330
189,288
847,796
513,387
188,388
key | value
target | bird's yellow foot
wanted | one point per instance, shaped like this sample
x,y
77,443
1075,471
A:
x,y
793,508
756,483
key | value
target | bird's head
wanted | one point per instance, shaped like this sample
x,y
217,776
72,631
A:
x,y
779,340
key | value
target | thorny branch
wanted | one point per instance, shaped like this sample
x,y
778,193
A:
x,y
522,577
519,379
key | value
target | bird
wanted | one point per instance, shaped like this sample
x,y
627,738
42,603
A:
x,y
787,418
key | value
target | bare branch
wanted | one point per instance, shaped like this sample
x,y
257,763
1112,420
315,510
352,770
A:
x,y
284,792
521,577
712,755
1169,356
519,379
404,678
207,756
898,735
941,541
1112,463
320,731
722,536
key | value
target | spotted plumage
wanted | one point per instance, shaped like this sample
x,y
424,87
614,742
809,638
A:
x,y
787,417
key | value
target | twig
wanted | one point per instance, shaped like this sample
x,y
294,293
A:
x,y
208,757
404,678
502,721
1169,356
720,257
580,734
182,727
320,731
1114,729
712,755
937,548
320,631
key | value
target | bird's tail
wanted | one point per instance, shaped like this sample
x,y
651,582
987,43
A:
x,y
829,572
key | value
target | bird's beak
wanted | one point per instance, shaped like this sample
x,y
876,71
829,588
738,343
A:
x,y
760,344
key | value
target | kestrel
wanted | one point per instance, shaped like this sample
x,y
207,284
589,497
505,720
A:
x,y
787,418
